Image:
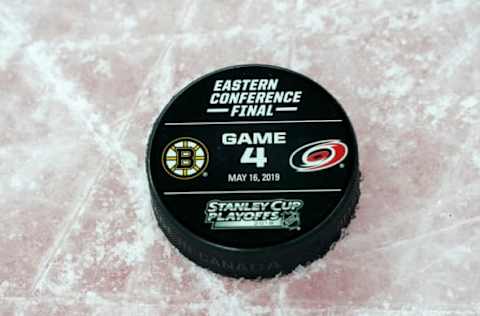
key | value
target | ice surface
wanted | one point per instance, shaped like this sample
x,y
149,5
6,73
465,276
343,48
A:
x,y
80,86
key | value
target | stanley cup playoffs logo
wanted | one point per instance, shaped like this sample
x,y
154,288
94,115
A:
x,y
254,214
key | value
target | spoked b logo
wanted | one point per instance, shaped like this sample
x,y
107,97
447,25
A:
x,y
318,155
185,158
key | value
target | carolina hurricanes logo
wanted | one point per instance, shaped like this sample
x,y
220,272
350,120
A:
x,y
318,155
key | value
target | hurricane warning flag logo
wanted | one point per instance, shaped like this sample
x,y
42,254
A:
x,y
318,155
185,158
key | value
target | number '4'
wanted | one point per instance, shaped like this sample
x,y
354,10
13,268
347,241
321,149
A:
x,y
259,159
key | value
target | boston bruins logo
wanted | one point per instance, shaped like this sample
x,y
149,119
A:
x,y
185,158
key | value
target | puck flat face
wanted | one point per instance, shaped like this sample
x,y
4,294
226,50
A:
x,y
253,170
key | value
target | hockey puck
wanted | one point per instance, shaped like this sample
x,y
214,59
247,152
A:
x,y
253,170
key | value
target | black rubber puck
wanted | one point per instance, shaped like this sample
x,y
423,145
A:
x,y
253,170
